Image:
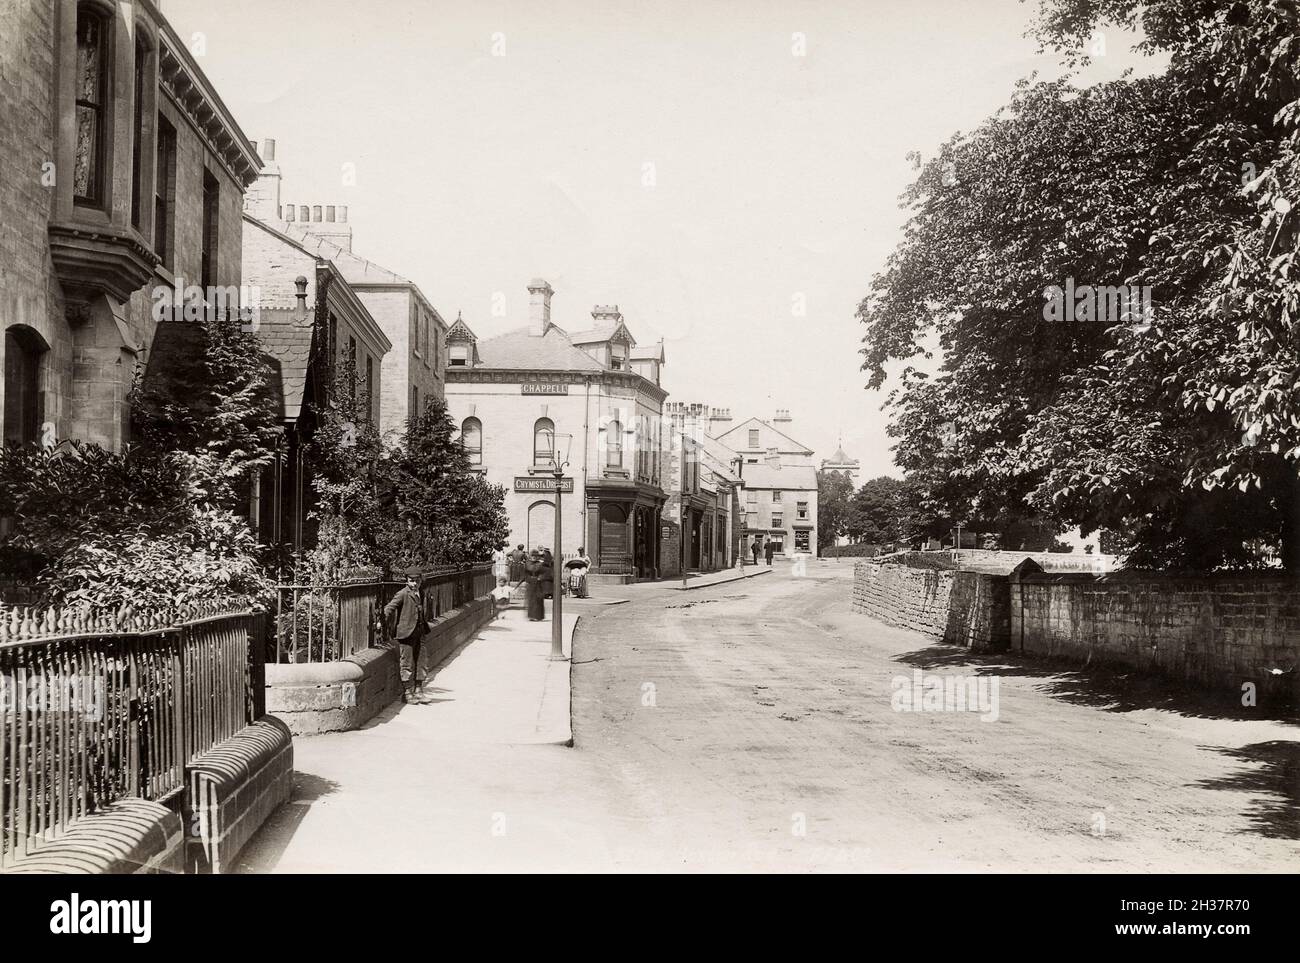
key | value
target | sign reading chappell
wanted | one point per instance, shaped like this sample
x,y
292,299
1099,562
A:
x,y
542,483
543,388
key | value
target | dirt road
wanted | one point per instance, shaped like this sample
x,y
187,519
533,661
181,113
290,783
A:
x,y
753,726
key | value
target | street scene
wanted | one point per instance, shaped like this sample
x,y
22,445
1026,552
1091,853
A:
x,y
653,436
770,743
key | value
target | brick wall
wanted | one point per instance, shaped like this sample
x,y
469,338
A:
x,y
961,608
1215,631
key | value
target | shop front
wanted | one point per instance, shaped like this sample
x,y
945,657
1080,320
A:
x,y
623,520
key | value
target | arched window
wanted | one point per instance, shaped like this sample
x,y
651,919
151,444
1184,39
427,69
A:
x,y
614,445
93,49
471,439
23,352
543,443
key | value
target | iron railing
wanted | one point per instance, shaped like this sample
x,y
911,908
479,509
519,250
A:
x,y
119,710
326,622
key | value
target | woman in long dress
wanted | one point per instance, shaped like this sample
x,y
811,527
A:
x,y
533,588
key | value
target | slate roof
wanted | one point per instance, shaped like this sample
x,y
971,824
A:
x,y
787,478
287,343
354,268
518,350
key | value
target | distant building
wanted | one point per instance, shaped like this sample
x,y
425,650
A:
x,y
780,484
413,368
842,463
516,394
850,469
702,512
756,441
313,327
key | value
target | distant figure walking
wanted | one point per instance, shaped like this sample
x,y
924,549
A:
x,y
768,551
405,613
517,559
533,589
754,547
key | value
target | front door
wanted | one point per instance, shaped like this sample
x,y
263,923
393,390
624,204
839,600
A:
x,y
614,546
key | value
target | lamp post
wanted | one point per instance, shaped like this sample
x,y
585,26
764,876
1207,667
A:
x,y
559,461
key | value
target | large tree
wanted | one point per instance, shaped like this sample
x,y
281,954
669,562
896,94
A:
x,y
834,489
445,512
1180,431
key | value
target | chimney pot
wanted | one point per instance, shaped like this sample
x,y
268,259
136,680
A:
x,y
329,213
343,213
269,149
539,307
291,213
304,212
315,213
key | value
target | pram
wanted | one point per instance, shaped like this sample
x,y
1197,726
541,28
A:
x,y
575,579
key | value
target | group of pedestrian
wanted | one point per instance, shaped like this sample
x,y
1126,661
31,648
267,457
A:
x,y
768,549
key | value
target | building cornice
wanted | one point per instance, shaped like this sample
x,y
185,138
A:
x,y
617,379
189,89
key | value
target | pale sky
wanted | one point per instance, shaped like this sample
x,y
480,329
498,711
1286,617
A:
x,y
775,176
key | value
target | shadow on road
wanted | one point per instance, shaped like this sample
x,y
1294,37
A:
x,y
1274,775
1108,687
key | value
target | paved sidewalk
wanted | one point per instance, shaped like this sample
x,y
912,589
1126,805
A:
x,y
501,687
428,785
715,578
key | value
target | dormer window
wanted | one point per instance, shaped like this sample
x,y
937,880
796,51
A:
x,y
91,88
458,356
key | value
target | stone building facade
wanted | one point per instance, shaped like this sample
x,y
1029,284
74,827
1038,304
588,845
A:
x,y
591,394
125,175
780,484
699,530
319,337
413,367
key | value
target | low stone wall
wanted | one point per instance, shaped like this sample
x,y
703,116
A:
x,y
1216,631
129,836
318,697
233,788
961,608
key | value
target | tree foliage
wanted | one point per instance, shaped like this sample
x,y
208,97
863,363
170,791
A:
x,y
211,404
1180,432
89,525
834,489
412,504
445,512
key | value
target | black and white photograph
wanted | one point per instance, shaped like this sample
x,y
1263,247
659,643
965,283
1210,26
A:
x,y
846,437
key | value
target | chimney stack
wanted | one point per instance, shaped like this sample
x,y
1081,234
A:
x,y
606,314
539,307
262,199
783,414
329,222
